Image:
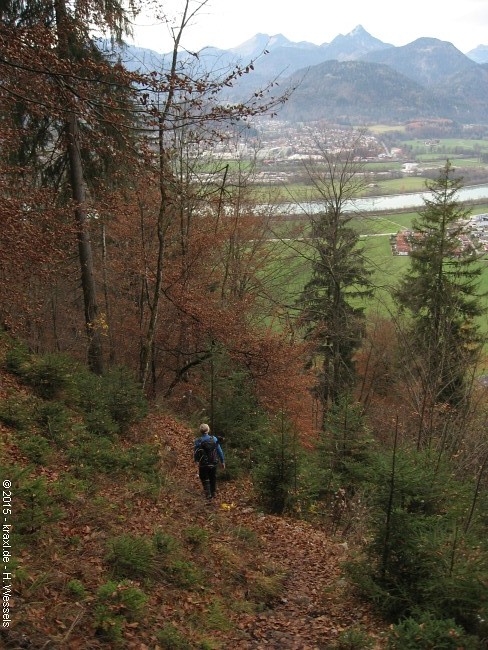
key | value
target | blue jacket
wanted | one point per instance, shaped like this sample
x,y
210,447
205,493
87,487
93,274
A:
x,y
206,436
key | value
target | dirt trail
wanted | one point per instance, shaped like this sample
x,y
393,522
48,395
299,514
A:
x,y
317,603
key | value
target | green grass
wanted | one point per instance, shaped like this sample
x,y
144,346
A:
x,y
376,224
378,129
291,192
400,185
448,145
386,166
387,269
456,162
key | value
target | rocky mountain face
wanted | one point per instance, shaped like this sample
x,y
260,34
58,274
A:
x,y
354,45
426,60
479,54
354,77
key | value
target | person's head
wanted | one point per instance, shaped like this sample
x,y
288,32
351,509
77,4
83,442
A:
x,y
204,428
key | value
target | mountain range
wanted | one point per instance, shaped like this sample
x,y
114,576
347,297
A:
x,y
355,77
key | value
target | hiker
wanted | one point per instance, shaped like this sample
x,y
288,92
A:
x,y
207,453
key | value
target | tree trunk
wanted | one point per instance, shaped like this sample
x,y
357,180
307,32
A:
x,y
92,323
95,352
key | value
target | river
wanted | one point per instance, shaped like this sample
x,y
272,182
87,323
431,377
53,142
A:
x,y
390,202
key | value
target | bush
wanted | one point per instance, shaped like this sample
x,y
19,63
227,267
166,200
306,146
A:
x,y
215,618
112,402
183,574
36,448
93,403
428,633
246,535
35,508
108,626
124,397
122,598
16,411
68,488
237,416
417,558
353,639
171,638
164,543
77,589
275,475
90,453
17,359
106,455
131,557
142,459
116,605
53,418
53,376
196,536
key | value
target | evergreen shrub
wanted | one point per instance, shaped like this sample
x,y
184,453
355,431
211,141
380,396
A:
x,y
237,416
17,359
275,476
353,639
17,411
77,589
35,508
124,598
36,448
196,536
131,556
164,543
124,397
215,618
53,376
183,574
111,402
428,633
106,455
170,638
419,558
53,419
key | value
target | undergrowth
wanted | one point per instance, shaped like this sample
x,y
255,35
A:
x,y
91,520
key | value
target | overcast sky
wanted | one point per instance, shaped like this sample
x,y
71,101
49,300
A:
x,y
228,23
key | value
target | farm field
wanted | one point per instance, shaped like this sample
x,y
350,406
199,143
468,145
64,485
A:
x,y
447,146
301,192
375,232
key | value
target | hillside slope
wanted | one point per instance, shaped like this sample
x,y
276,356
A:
x,y
113,554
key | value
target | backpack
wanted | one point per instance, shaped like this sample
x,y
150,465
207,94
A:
x,y
206,453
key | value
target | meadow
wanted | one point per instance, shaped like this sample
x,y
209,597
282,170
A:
x,y
387,269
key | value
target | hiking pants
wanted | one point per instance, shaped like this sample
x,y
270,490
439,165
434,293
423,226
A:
x,y
208,477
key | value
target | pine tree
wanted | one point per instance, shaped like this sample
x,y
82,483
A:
x,y
440,292
331,312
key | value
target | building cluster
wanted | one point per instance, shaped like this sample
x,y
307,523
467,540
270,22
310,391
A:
x,y
276,141
291,142
474,237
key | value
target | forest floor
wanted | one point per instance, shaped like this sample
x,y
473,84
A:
x,y
236,578
317,603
